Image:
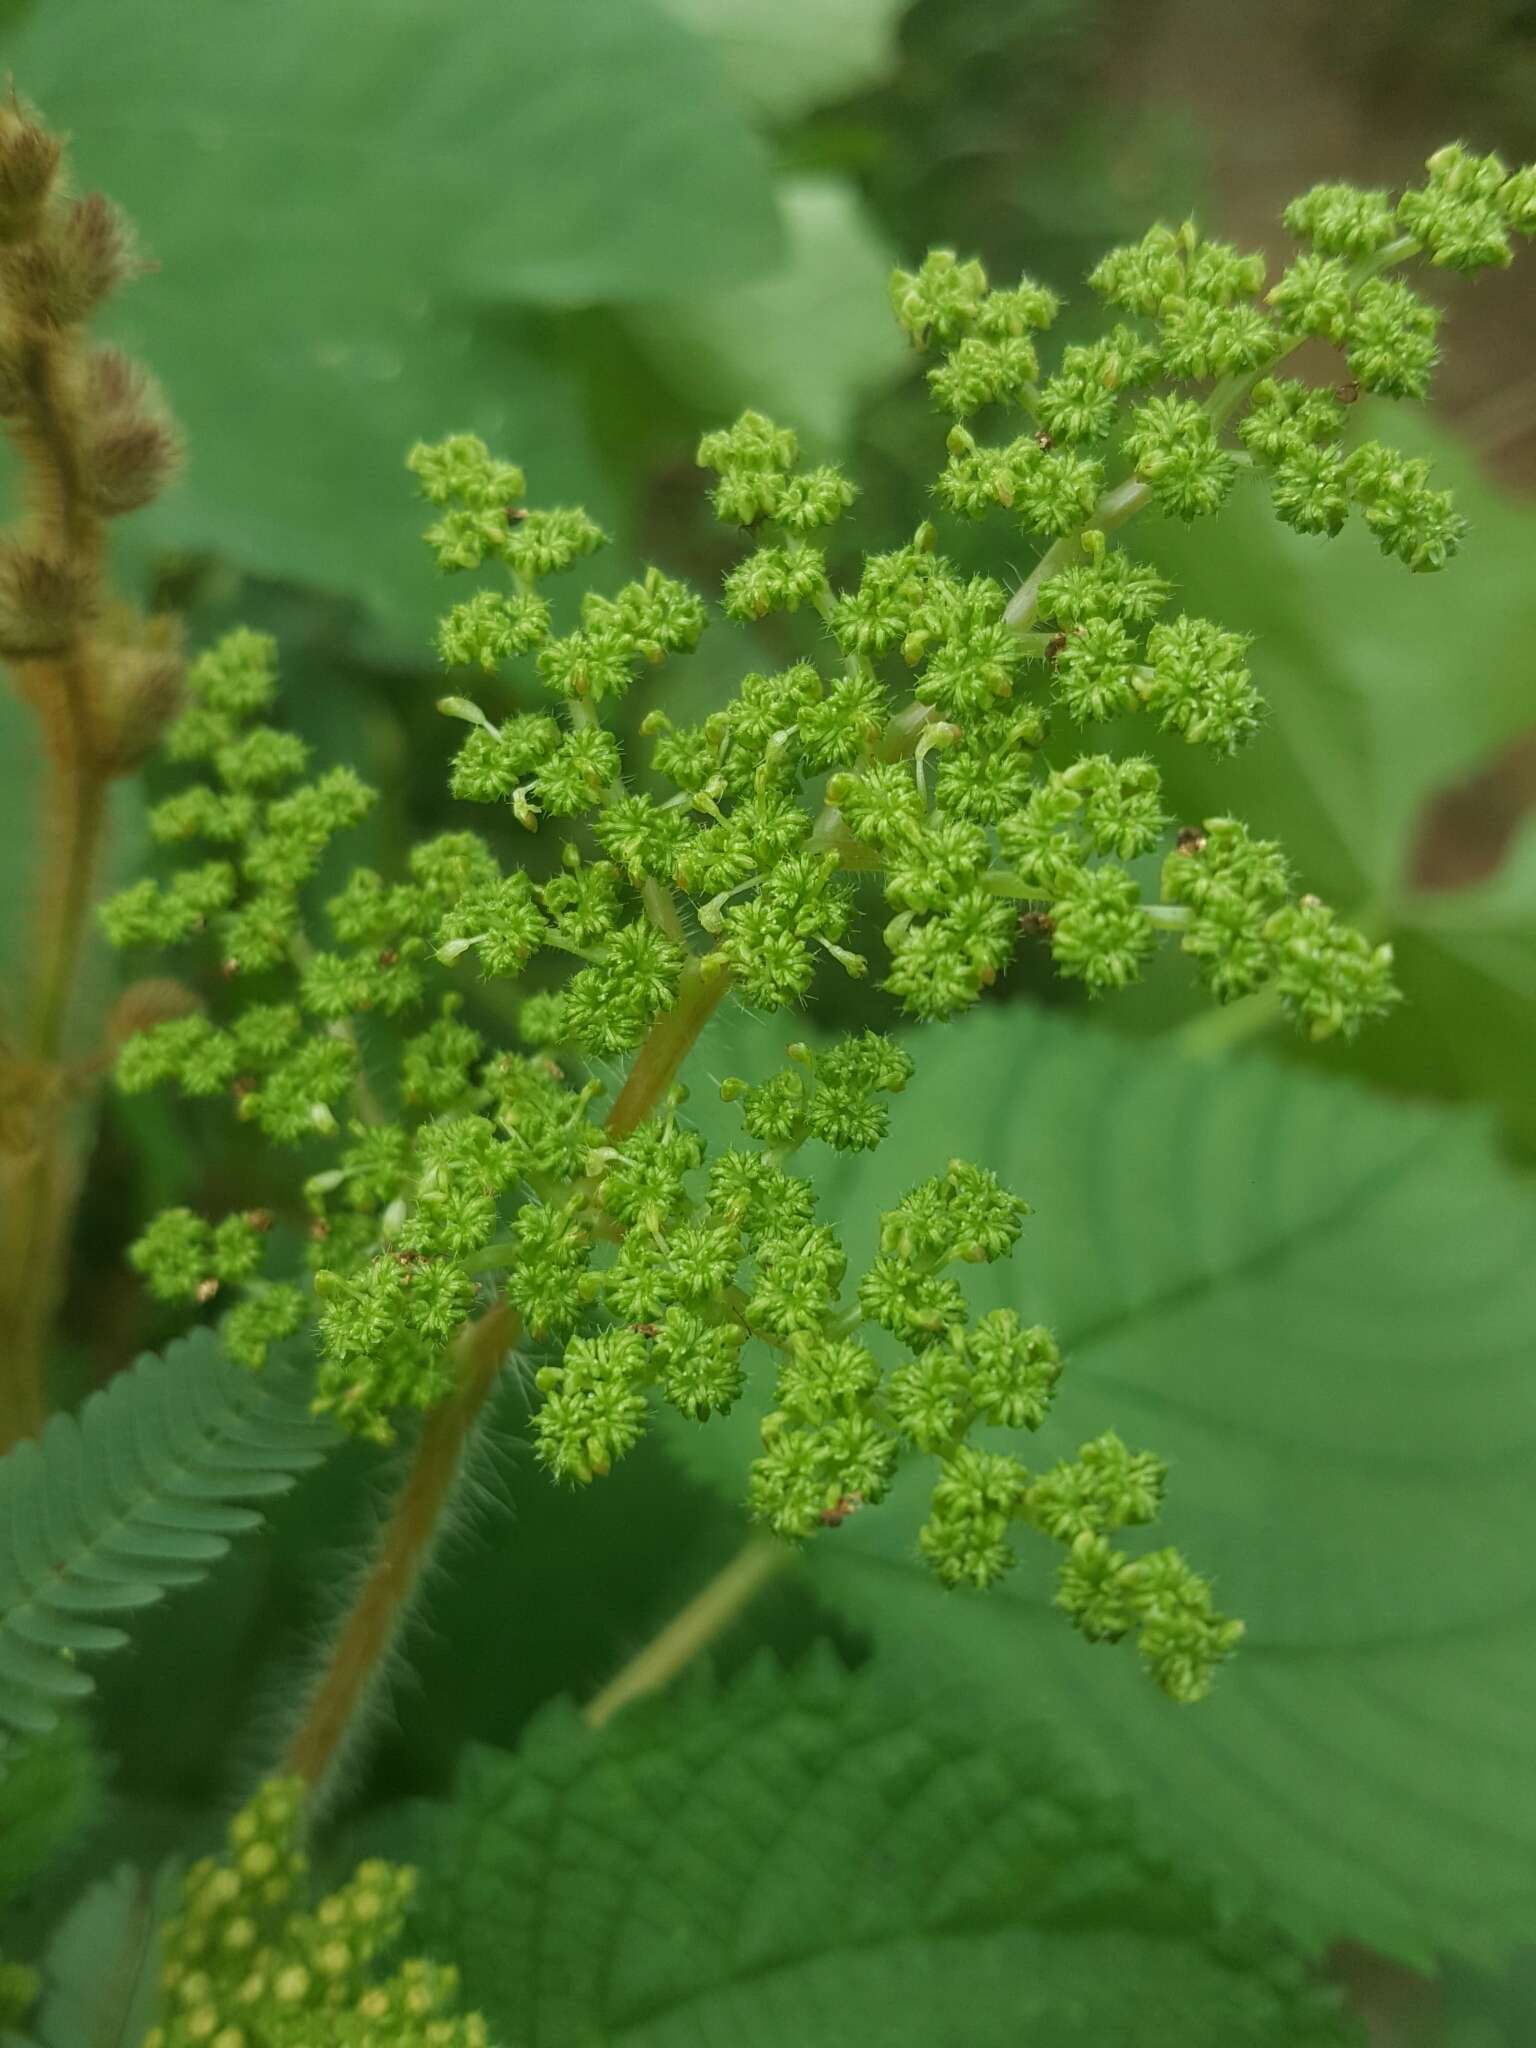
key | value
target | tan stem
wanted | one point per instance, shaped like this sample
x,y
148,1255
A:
x,y
38,1173
72,836
37,1189
707,1615
372,1626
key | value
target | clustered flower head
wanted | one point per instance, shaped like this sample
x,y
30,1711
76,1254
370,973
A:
x,y
248,1963
978,754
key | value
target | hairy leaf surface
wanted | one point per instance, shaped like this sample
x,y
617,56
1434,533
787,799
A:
x,y
811,1860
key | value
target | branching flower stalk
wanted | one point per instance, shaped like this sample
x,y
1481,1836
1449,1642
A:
x,y
358,1657
94,443
954,747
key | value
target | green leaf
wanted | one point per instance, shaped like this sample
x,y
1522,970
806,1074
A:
x,y
507,151
105,1514
810,1860
1384,689
99,1976
787,56
345,201
1318,1306
1467,958
47,1796
804,343
1492,2011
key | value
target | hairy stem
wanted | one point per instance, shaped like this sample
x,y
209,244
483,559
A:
x,y
37,1171
372,1626
693,1628
1112,510
670,1040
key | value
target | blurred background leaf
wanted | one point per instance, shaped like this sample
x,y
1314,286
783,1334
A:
x,y
352,206
100,1974
786,57
747,346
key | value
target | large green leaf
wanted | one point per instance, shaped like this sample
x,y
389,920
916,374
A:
x,y
804,342
1384,689
1319,1307
343,200
414,143
812,1861
787,56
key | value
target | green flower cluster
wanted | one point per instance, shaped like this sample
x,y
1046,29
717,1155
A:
x,y
246,1964
273,829
1198,312
923,735
1244,931
834,1095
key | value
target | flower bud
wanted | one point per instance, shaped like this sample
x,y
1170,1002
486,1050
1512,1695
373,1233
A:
x,y
29,162
43,598
140,693
129,443
64,275
95,253
129,464
143,1004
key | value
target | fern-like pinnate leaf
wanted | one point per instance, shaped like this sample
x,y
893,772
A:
x,y
813,1859
137,1495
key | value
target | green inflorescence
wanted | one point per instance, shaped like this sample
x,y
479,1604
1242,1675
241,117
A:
x,y
933,739
248,1963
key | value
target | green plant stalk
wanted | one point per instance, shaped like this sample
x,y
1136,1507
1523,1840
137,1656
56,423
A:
x,y
668,1043
1222,1030
659,903
711,1611
372,1626
37,1171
